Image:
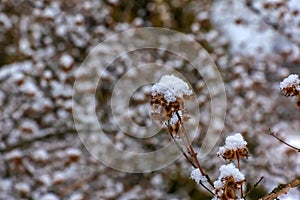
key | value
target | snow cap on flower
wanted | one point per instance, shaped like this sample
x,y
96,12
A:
x,y
197,176
234,145
171,87
290,86
227,171
235,142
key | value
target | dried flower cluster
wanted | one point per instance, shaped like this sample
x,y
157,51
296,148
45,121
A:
x,y
290,86
168,102
229,181
235,147
44,42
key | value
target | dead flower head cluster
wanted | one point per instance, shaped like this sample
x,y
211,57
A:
x,y
290,86
234,148
168,102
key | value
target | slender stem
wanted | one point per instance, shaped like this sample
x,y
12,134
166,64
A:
x,y
284,142
238,160
206,188
180,149
254,186
188,159
192,152
239,167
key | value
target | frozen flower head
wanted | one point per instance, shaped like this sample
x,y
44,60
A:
x,y
290,86
235,147
171,88
168,101
229,181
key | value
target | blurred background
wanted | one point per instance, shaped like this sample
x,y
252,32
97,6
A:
x,y
254,43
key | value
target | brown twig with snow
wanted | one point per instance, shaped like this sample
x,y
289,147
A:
x,y
282,189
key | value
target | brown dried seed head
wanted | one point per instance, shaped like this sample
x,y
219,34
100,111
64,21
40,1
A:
x,y
229,154
290,91
243,152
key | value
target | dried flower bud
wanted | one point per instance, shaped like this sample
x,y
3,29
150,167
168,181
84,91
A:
x,y
290,86
229,154
168,102
229,181
235,145
243,152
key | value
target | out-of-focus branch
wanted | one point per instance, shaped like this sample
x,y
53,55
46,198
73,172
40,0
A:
x,y
49,133
266,21
284,142
67,190
254,186
282,189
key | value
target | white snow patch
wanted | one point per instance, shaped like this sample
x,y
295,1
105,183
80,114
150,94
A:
x,y
40,155
250,37
218,184
66,60
171,87
231,170
23,187
174,119
197,176
291,80
233,142
49,197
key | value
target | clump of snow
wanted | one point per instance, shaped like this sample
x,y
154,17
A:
x,y
228,171
76,196
45,179
17,77
40,155
15,154
74,153
171,87
197,176
218,184
66,60
59,177
23,187
29,126
290,81
157,180
233,142
29,88
49,196
239,30
174,119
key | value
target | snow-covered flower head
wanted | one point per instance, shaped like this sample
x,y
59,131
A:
x,y
171,88
168,101
290,86
230,179
235,146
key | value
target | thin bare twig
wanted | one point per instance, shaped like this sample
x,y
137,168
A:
x,y
206,188
49,133
180,148
77,184
239,167
254,186
282,189
192,152
284,142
